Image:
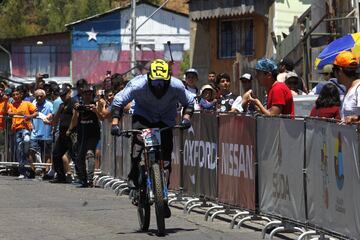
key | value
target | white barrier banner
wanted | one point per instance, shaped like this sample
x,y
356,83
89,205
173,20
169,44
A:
x,y
280,147
107,150
333,182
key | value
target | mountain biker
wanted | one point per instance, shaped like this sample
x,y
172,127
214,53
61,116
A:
x,y
156,97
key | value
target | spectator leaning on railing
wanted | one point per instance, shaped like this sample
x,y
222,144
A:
x,y
279,99
41,135
327,105
22,112
346,71
227,102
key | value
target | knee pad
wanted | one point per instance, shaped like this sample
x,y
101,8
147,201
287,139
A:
x,y
167,165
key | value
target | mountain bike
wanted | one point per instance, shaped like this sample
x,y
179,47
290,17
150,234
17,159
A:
x,y
153,178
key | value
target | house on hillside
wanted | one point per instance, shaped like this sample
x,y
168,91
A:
x,y
22,58
101,43
222,28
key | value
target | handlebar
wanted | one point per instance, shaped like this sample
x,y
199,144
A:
x,y
128,133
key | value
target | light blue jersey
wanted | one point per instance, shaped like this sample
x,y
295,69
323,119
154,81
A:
x,y
150,107
42,131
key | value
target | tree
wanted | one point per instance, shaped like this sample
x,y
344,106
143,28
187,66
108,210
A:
x,y
20,18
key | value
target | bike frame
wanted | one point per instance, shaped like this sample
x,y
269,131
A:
x,y
153,185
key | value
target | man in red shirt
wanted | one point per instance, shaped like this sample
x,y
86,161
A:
x,y
279,98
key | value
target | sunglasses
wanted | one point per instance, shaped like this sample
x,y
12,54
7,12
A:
x,y
158,83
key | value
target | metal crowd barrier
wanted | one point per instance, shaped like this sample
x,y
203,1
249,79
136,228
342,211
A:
x,y
7,148
296,174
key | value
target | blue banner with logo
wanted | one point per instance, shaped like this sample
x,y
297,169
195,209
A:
x,y
333,180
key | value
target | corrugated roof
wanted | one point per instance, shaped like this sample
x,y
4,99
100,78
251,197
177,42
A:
x,y
122,8
205,9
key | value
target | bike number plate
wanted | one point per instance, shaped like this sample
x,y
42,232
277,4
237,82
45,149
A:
x,y
151,137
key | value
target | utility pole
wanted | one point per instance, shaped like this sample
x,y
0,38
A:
x,y
357,12
133,37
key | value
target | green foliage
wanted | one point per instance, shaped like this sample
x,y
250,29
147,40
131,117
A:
x,y
20,18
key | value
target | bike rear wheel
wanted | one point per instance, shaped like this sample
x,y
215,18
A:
x,y
158,198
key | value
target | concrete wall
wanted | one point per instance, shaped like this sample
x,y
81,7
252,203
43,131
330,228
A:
x,y
285,11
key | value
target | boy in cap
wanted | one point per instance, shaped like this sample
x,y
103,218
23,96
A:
x,y
191,78
246,83
328,77
345,69
279,99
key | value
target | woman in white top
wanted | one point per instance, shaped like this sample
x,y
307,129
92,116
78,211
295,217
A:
x,y
346,71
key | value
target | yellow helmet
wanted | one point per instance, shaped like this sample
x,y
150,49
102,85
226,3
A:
x,y
159,70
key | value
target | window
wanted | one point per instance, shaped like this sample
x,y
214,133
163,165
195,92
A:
x,y
177,50
236,36
30,60
109,52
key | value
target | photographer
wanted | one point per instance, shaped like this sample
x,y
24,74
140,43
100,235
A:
x,y
86,122
102,105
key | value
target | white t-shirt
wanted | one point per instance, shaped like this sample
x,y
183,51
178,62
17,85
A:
x,y
238,104
281,77
351,102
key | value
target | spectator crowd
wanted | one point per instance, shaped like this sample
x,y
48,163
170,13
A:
x,y
60,124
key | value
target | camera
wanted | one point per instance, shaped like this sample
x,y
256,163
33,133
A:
x,y
83,107
45,75
102,93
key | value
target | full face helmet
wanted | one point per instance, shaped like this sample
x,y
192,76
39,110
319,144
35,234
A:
x,y
159,77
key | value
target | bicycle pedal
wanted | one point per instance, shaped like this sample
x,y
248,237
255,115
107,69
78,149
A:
x,y
135,202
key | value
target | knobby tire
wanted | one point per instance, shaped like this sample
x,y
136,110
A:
x,y
158,198
143,209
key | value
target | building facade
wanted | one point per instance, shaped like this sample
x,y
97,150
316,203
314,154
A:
x,y
101,43
48,53
221,29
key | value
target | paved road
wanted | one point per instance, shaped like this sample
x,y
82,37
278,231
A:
x,y
36,210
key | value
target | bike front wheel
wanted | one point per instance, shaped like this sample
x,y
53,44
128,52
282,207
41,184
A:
x,y
143,207
158,198
143,211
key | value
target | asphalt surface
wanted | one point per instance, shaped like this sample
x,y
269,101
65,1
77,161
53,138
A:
x,y
35,210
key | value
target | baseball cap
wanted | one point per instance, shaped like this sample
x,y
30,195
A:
x,y
346,59
65,88
328,68
266,65
192,70
291,75
207,86
246,76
